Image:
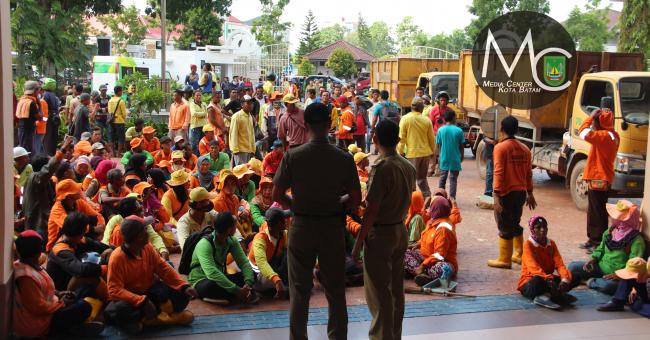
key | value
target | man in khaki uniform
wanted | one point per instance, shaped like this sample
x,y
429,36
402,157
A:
x,y
391,182
319,175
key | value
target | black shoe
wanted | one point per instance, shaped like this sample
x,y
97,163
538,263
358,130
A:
x,y
564,299
87,330
611,306
422,280
546,302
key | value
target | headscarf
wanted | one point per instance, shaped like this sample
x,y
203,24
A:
x,y
95,161
416,208
606,120
263,203
102,168
534,221
134,166
205,180
621,229
440,208
158,178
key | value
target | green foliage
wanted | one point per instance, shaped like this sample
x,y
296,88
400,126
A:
x,y
148,97
381,40
488,10
161,126
126,28
342,63
268,29
308,36
407,34
329,35
306,68
52,33
20,84
363,34
635,27
589,29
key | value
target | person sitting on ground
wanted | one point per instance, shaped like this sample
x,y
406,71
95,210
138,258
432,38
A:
x,y
203,177
39,310
227,201
208,137
152,207
136,147
261,203
621,242
362,162
209,274
65,263
415,222
158,181
199,216
68,199
64,171
541,259
135,171
218,160
83,146
100,178
150,143
272,159
143,289
268,254
135,131
115,191
255,165
178,161
191,160
176,198
81,168
165,152
245,187
632,288
127,207
437,256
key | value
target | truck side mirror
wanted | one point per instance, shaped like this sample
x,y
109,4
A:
x,y
453,101
624,125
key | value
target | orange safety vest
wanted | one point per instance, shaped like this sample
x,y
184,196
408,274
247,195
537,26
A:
x,y
22,109
41,125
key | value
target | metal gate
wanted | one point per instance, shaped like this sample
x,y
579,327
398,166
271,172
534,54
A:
x,y
427,52
275,59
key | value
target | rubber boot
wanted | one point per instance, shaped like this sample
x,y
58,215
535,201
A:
x,y
505,255
518,246
96,308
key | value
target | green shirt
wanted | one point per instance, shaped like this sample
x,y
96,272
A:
x,y
154,238
127,155
258,215
132,133
222,162
209,262
415,228
610,261
249,194
23,175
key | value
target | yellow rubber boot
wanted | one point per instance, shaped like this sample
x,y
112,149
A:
x,y
182,318
96,307
518,246
505,255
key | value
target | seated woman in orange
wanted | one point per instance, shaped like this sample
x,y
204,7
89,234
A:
x,y
191,160
158,180
435,255
81,168
100,179
203,177
415,222
165,152
68,199
177,200
111,194
228,201
540,260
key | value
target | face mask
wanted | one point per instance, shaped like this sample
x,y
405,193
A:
x,y
176,167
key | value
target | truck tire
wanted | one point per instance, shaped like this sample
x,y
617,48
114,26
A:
x,y
578,186
480,160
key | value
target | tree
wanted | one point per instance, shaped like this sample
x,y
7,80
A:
x,y
635,27
488,10
407,32
589,29
202,20
342,63
306,67
382,43
363,34
126,28
329,35
268,29
308,36
52,34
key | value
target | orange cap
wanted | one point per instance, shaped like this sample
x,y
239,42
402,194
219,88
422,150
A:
x,y
66,188
148,129
135,142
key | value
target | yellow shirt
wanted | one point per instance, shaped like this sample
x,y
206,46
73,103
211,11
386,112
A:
x,y
416,133
198,115
427,111
242,135
120,111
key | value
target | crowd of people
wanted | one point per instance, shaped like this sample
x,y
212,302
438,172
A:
x,y
261,193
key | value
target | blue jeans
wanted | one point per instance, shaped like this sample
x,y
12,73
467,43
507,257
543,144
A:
x,y
195,137
38,144
598,283
489,168
642,303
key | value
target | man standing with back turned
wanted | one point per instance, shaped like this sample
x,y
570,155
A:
x,y
318,229
391,182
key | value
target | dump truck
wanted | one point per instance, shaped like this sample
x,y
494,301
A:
x,y
551,131
399,76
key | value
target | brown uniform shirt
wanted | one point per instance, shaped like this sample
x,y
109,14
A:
x,y
391,182
317,173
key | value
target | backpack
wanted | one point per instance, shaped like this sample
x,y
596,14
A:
x,y
185,265
391,112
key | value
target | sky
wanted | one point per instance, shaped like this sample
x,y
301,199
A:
x,y
425,13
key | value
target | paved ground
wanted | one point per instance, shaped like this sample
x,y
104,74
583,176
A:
x,y
477,242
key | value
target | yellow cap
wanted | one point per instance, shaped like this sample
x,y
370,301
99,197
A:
x,y
179,177
359,156
208,127
353,148
200,193
178,154
633,268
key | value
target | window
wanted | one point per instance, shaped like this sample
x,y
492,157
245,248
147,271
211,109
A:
x,y
592,92
635,102
447,83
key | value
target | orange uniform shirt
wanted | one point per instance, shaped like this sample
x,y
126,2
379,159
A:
x,y
602,155
162,156
41,124
190,164
541,261
151,146
58,215
512,167
179,116
347,119
440,239
130,276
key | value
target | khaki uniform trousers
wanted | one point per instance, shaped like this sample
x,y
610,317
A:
x,y
384,280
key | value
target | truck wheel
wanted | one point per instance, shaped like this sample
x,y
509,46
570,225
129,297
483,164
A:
x,y
554,177
578,186
480,160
